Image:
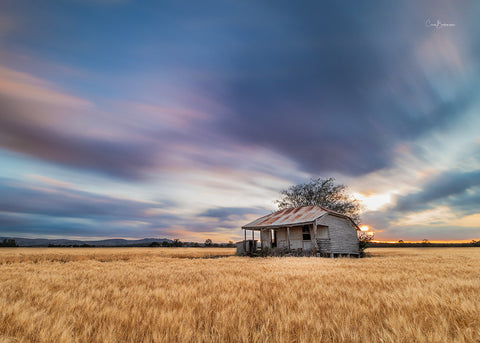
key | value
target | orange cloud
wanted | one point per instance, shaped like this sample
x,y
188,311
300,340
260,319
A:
x,y
472,220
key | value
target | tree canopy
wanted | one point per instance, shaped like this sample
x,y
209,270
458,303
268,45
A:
x,y
322,192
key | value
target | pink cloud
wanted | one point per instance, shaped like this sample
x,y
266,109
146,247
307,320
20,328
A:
x,y
49,181
166,116
25,86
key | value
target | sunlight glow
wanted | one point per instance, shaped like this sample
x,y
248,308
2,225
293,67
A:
x,y
373,202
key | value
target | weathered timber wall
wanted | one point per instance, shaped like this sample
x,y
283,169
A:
x,y
343,236
296,238
266,237
324,246
322,232
282,238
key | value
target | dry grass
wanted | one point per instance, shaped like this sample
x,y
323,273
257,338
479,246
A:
x,y
40,255
161,295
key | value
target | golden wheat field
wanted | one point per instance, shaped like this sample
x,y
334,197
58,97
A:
x,y
182,295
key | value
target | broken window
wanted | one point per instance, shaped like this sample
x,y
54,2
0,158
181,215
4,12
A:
x,y
306,233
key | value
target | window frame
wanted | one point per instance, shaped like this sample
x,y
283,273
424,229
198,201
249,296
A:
x,y
306,233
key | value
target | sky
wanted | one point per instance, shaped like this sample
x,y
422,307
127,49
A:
x,y
185,119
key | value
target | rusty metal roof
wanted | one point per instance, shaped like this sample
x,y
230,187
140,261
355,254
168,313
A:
x,y
289,216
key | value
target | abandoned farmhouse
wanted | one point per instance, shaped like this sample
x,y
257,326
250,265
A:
x,y
307,230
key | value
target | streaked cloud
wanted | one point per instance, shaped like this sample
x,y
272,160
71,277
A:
x,y
24,86
447,187
49,207
187,119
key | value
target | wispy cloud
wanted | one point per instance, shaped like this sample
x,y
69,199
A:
x,y
448,188
216,107
24,86
51,207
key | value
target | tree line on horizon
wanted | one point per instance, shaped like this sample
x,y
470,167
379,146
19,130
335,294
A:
x,y
8,243
178,243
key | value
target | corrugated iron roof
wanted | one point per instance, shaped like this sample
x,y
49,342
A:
x,y
289,216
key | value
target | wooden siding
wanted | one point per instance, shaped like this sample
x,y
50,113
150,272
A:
x,y
296,239
322,232
282,238
343,236
330,234
266,238
324,246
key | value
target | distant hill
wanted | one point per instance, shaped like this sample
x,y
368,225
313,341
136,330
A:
x,y
41,242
